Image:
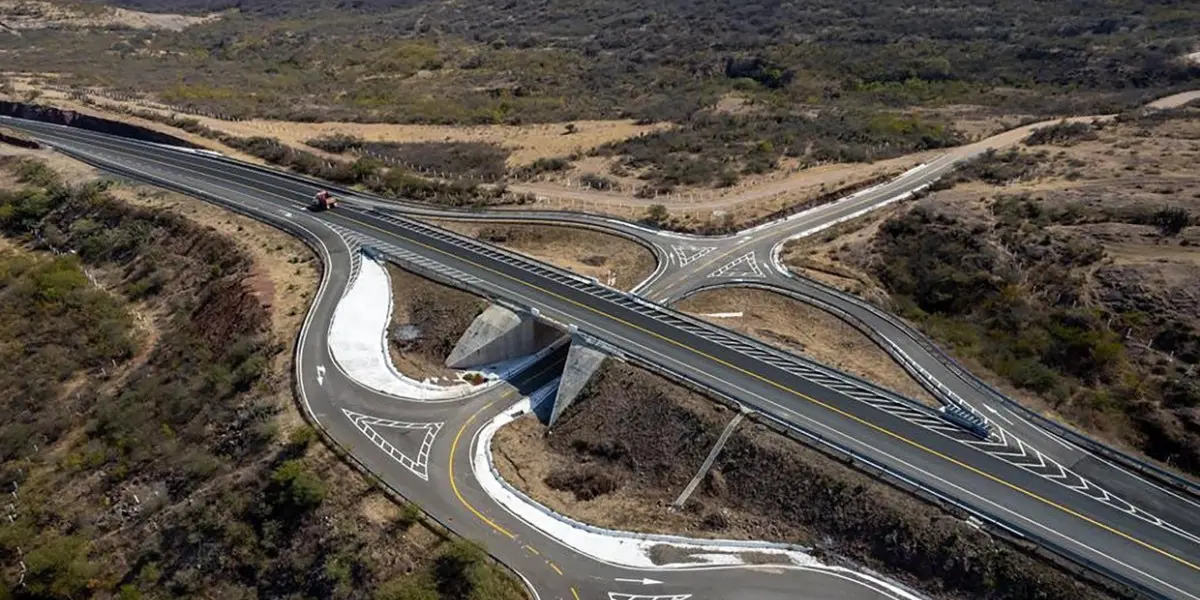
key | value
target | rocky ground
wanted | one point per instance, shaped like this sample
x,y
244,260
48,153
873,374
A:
x,y
427,320
623,452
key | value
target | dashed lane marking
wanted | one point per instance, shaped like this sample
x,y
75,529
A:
x,y
788,390
769,382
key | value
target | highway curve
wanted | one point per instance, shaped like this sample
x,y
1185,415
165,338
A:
x,y
1159,562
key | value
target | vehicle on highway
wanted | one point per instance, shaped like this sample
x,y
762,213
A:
x,y
323,200
967,420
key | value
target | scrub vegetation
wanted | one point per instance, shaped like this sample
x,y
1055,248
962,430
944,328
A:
x,y
620,455
814,81
1066,272
149,434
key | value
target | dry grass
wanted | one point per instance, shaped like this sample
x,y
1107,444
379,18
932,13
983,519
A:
x,y
613,260
34,14
527,142
796,327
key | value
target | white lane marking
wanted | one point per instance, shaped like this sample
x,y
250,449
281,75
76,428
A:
x,y
690,254
748,259
1004,509
320,374
616,596
849,441
997,413
419,466
643,581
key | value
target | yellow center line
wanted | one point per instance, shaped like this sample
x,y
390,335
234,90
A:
x,y
769,382
555,567
788,390
454,485
532,550
575,593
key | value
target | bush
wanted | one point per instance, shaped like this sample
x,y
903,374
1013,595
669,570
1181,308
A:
x,y
1062,133
586,483
336,143
59,568
408,587
599,182
35,172
656,214
1171,220
294,489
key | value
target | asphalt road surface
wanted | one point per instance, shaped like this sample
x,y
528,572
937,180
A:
x,y
1155,559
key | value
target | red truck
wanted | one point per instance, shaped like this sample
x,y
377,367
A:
x,y
324,201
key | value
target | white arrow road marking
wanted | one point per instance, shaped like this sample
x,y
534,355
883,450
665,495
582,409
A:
x,y
320,374
644,581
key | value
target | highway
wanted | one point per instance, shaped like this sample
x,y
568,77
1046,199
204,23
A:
x,y
1154,558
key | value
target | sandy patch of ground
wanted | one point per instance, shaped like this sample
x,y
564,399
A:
x,y
613,260
33,14
796,327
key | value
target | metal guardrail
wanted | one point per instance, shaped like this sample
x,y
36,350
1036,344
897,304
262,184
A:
x,y
1100,574
1160,474
447,275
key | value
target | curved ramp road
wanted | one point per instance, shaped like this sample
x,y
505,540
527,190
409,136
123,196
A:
x,y
424,450
1155,559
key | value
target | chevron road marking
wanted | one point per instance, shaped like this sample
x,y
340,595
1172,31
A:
x,y
419,466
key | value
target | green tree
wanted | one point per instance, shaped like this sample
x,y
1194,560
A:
x,y
408,587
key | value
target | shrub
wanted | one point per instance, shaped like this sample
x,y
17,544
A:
x,y
336,143
656,214
1062,134
294,489
1171,220
586,483
599,182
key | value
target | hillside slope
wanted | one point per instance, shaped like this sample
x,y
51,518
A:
x,y
153,447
